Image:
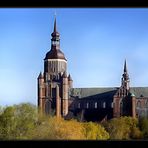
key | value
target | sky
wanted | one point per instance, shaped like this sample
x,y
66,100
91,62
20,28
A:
x,y
95,41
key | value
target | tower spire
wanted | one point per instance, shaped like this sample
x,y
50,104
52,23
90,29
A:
x,y
125,73
125,81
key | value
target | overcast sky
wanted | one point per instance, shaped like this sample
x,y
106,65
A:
x,y
95,42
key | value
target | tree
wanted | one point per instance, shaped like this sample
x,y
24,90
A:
x,y
26,117
17,120
7,123
58,128
143,124
132,123
123,128
94,131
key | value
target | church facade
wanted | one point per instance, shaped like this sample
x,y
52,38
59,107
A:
x,y
56,95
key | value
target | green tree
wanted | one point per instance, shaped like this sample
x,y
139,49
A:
x,y
7,123
17,120
123,128
143,124
26,118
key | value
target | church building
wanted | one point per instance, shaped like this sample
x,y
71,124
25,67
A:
x,y
56,95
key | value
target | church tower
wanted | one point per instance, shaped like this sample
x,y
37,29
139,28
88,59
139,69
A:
x,y
122,101
54,84
125,86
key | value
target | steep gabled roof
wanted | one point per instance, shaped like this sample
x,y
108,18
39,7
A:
x,y
93,93
104,93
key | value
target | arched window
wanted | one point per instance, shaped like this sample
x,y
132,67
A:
x,y
112,104
87,105
138,104
146,103
43,92
79,105
48,107
96,105
104,104
121,108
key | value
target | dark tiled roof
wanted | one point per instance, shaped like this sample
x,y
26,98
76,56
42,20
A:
x,y
95,93
55,54
139,91
104,93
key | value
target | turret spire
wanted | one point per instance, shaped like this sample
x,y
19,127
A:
x,y
69,77
40,75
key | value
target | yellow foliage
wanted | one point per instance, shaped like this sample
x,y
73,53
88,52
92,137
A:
x,y
67,130
53,128
123,128
94,131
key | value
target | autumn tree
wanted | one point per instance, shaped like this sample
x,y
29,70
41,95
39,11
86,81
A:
x,y
58,128
23,122
94,131
123,128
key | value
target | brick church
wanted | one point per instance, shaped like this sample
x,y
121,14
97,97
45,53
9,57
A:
x,y
56,95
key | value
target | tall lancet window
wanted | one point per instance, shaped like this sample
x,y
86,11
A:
x,y
104,104
47,107
139,104
96,105
112,104
121,108
79,105
87,105
146,104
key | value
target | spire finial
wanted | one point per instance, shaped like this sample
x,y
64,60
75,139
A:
x,y
55,13
55,26
125,67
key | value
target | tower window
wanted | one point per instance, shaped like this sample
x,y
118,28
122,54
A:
x,y
43,92
104,104
96,104
53,69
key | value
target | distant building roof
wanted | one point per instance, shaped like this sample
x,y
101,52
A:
x,y
139,91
